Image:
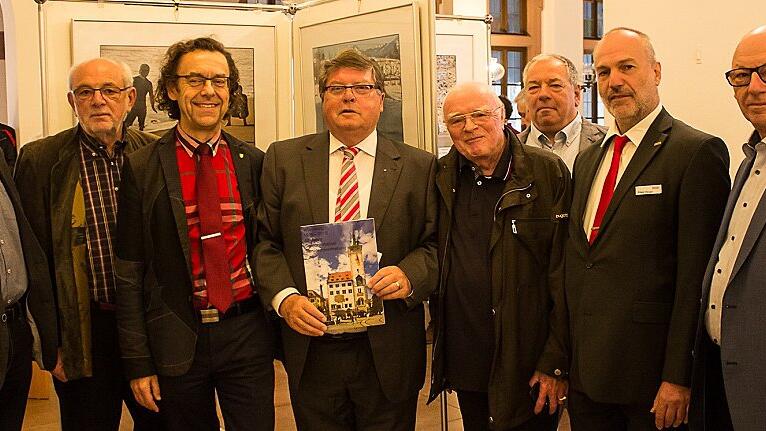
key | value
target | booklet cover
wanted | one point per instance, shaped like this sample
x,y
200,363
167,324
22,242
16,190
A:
x,y
339,259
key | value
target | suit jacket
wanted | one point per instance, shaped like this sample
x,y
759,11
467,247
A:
x,y
47,174
39,296
633,295
743,345
155,316
589,135
404,206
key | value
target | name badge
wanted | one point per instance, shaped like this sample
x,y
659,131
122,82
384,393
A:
x,y
654,189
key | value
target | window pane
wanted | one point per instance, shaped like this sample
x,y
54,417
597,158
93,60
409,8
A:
x,y
495,9
514,68
514,16
599,18
587,15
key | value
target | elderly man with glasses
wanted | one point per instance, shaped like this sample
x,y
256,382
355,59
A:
x,y
366,380
500,318
727,373
69,185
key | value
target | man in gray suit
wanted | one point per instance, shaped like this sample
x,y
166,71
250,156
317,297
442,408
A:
x,y
728,380
552,95
354,380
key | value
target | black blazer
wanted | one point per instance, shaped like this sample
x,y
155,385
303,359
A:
x,y
39,296
403,202
156,319
634,294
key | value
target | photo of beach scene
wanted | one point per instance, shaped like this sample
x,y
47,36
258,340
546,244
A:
x,y
385,50
240,124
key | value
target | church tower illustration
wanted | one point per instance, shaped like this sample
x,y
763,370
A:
x,y
356,259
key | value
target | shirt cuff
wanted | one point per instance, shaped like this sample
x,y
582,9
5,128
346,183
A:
x,y
281,296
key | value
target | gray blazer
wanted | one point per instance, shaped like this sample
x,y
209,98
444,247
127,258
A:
x,y
403,202
743,344
590,134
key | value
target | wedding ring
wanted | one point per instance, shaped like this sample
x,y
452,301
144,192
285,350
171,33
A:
x,y
562,398
398,286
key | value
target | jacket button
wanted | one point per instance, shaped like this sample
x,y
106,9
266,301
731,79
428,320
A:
x,y
557,372
588,265
491,420
493,311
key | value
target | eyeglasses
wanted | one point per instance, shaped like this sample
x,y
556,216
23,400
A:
x,y
741,76
83,94
356,89
195,80
479,116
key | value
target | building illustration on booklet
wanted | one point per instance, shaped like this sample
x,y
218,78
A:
x,y
339,259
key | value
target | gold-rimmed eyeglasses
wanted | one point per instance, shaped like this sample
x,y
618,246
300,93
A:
x,y
356,89
478,116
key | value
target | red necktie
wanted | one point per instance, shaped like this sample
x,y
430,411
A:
x,y
609,183
214,258
347,204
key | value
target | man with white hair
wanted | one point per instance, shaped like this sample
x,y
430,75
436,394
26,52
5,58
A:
x,y
552,95
499,312
69,184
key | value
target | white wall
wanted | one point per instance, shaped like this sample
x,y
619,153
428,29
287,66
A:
x,y
694,41
562,29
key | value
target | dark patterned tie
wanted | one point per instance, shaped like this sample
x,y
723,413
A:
x,y
214,258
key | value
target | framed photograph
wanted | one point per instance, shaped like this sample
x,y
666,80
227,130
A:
x,y
391,37
462,53
142,46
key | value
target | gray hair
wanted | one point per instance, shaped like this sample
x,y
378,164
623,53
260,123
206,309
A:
x,y
520,98
647,42
127,74
572,74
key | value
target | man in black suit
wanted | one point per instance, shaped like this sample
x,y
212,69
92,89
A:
x,y
645,210
363,380
24,287
191,324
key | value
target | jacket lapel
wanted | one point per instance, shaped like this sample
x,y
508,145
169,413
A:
x,y
166,149
316,162
241,170
589,135
589,161
62,192
446,179
652,143
384,180
756,224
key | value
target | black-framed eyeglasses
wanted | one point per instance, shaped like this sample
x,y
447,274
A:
x,y
112,92
479,116
357,89
741,76
195,80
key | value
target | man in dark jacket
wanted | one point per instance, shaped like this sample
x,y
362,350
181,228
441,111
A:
x,y
500,313
191,324
68,185
25,291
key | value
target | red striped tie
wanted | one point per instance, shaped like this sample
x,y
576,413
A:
x,y
347,203
609,183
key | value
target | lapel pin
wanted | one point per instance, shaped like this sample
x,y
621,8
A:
x,y
241,156
658,143
385,170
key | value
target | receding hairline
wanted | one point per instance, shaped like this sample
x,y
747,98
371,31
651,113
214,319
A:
x,y
127,74
644,38
572,74
477,88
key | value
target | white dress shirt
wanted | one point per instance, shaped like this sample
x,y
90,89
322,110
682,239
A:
x,y
747,202
566,142
364,161
636,135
